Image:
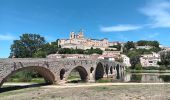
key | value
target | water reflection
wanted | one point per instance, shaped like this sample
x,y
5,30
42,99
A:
x,y
142,77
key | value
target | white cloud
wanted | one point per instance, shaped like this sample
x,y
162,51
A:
x,y
158,12
6,37
120,28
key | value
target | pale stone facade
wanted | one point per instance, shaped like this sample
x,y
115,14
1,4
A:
x,y
58,70
110,55
150,60
126,60
144,47
80,42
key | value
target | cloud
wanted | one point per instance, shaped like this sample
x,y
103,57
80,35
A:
x,y
158,12
6,37
120,28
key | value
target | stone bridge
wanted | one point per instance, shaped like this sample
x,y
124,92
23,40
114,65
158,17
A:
x,y
55,71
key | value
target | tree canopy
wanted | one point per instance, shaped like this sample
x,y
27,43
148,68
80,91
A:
x,y
129,45
148,43
27,45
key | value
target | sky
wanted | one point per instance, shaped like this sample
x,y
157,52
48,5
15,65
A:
x,y
117,20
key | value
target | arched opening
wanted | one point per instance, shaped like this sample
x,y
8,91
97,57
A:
x,y
99,71
78,74
107,70
111,70
117,70
62,72
33,74
91,69
114,68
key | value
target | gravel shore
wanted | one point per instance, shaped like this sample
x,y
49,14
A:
x,y
96,92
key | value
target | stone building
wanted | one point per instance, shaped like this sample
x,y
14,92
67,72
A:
x,y
150,60
80,42
126,60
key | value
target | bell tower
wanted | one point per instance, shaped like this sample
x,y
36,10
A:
x,y
81,34
72,35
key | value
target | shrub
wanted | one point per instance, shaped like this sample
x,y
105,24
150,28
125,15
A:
x,y
138,67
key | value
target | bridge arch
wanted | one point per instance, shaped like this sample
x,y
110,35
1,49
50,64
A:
x,y
99,72
48,76
82,72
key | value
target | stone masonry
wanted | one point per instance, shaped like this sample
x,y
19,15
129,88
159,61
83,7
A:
x,y
55,71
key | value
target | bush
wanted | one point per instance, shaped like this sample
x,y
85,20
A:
x,y
151,68
138,67
162,67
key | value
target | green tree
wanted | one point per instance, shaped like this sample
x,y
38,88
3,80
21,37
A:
x,y
134,60
128,46
165,58
27,45
148,43
138,66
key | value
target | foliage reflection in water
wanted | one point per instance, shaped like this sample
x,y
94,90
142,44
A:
x,y
140,77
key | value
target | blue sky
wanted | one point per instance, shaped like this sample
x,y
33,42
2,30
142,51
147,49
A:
x,y
117,20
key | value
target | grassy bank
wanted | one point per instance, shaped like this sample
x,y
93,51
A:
x,y
33,80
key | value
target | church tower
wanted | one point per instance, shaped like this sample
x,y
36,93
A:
x,y
72,35
81,34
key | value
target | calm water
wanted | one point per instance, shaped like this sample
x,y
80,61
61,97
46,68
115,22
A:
x,y
142,77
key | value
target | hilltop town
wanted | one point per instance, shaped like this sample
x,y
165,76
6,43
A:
x,y
147,51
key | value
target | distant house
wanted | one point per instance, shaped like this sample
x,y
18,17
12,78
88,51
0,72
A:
x,y
110,55
126,60
144,47
150,60
107,57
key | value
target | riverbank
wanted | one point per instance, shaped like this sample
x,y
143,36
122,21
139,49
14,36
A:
x,y
93,91
148,71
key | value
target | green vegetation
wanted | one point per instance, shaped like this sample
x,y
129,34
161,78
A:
x,y
165,78
128,46
165,59
27,45
136,78
26,76
135,54
104,80
148,43
79,51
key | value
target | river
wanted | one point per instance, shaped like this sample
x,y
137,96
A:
x,y
142,77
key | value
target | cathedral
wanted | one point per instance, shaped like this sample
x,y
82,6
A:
x,y
80,42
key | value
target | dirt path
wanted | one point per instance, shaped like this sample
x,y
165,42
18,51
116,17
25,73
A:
x,y
100,84
92,91
71,85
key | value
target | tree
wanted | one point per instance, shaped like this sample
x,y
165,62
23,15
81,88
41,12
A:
x,y
165,58
27,45
134,61
138,66
129,45
148,43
